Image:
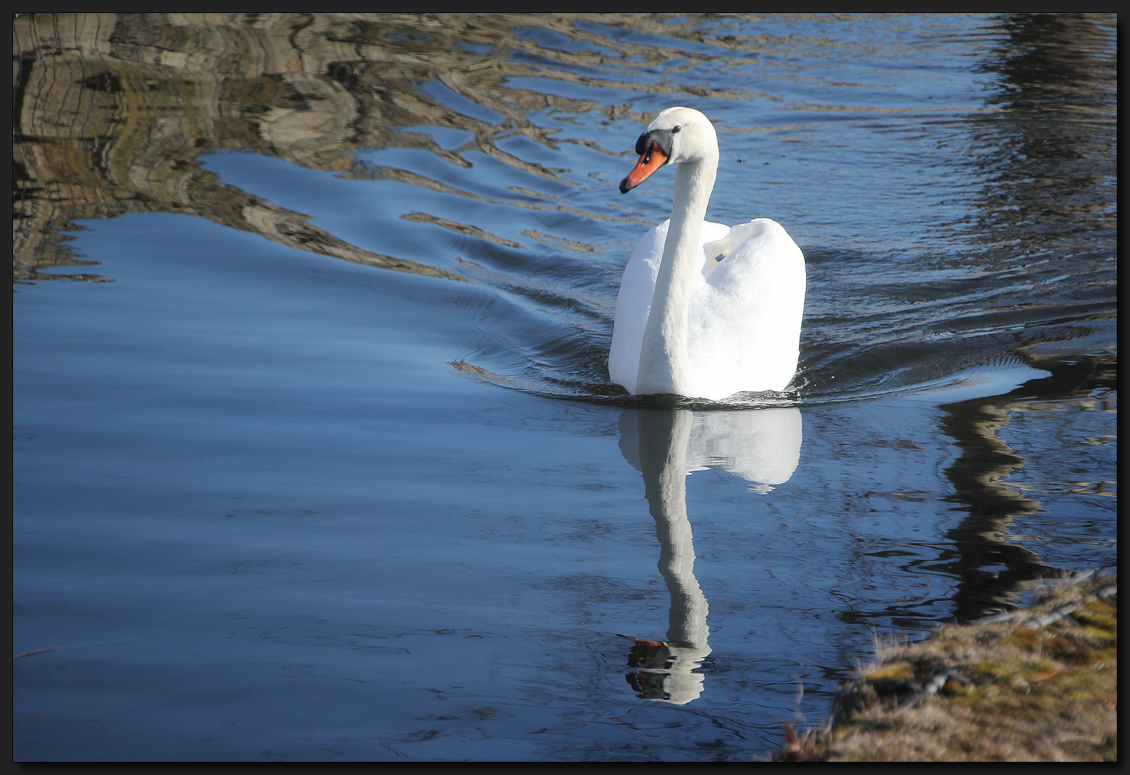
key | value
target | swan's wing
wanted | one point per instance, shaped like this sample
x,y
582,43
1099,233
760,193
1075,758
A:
x,y
633,304
744,326
637,287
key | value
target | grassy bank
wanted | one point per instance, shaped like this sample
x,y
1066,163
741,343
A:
x,y
1038,684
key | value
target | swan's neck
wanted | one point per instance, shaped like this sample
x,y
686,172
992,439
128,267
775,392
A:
x,y
664,361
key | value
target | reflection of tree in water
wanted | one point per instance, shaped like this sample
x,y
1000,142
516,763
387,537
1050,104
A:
x,y
1044,58
1046,152
1043,158
992,569
111,111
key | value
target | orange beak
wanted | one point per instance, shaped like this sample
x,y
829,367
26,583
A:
x,y
651,160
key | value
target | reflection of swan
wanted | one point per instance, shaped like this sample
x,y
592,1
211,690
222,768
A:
x,y
666,444
720,326
667,667
761,446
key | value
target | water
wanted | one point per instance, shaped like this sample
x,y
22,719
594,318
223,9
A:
x,y
321,460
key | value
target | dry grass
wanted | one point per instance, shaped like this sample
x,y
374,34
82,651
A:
x,y
1038,684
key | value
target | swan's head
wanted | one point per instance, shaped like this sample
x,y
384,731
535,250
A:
x,y
676,136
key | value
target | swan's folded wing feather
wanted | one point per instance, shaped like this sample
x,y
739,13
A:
x,y
637,287
744,324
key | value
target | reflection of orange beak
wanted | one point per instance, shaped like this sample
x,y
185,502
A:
x,y
649,162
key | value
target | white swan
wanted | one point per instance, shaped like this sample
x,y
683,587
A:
x,y
704,311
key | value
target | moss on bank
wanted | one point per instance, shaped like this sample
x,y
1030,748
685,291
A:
x,y
1038,684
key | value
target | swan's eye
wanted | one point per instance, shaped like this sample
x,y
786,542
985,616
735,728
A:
x,y
676,130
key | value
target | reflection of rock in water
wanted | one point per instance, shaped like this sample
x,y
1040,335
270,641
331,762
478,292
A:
x,y
666,444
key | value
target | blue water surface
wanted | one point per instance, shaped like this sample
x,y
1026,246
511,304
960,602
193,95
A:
x,y
274,505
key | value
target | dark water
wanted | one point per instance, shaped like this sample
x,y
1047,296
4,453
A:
x,y
316,456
